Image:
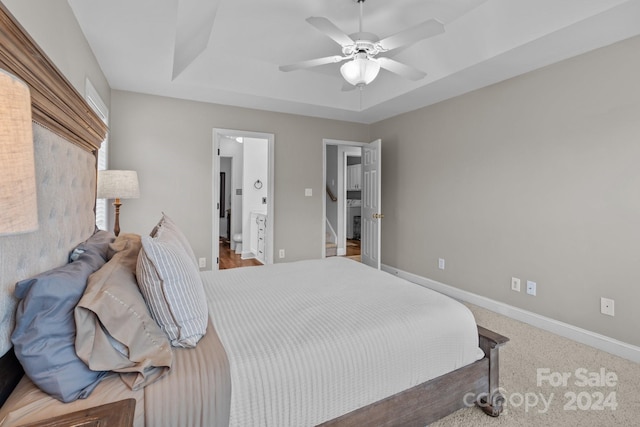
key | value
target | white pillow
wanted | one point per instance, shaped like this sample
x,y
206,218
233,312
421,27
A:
x,y
171,285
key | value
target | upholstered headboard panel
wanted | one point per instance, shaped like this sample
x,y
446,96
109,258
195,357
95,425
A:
x,y
67,134
66,182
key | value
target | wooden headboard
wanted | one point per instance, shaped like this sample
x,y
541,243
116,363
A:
x,y
56,105
67,135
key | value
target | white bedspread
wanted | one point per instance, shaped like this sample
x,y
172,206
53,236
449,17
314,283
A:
x,y
311,340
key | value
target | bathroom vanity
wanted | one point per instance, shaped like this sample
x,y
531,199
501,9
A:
x,y
258,232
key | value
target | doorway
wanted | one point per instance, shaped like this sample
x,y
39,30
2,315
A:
x,y
352,187
244,160
342,200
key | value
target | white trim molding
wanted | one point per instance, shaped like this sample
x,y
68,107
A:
x,y
593,339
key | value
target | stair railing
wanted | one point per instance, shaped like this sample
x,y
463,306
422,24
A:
x,y
331,195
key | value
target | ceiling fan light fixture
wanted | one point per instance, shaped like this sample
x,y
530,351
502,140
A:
x,y
360,71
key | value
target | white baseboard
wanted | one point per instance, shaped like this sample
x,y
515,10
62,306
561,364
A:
x,y
593,339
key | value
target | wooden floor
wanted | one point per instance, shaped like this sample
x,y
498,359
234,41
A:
x,y
229,259
353,250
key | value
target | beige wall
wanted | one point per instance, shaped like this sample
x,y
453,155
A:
x,y
53,26
169,142
536,177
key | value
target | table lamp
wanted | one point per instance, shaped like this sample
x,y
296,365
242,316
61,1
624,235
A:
x,y
117,184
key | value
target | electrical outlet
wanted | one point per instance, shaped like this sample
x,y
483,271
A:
x,y
531,288
441,263
308,192
607,306
202,262
281,253
515,284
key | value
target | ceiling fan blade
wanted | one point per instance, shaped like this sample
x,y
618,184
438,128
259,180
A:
x,y
328,28
411,35
313,63
401,69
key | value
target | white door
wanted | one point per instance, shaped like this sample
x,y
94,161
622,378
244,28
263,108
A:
x,y
215,258
371,210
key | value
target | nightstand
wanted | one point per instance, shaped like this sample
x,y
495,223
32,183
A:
x,y
116,414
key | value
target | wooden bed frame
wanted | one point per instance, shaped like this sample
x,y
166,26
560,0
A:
x,y
57,106
417,406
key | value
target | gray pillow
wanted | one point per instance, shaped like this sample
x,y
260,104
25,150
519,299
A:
x,y
44,335
99,243
171,285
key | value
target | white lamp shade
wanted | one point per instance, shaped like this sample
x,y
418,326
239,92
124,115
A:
x,y
118,184
18,197
360,71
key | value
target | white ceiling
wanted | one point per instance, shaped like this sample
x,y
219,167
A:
x,y
228,51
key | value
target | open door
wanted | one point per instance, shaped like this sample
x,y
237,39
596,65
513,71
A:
x,y
217,209
371,208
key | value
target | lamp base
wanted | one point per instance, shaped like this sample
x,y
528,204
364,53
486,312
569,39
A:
x,y
116,224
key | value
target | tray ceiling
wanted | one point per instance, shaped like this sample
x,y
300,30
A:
x,y
228,51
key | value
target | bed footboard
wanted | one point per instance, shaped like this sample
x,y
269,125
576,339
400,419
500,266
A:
x,y
490,342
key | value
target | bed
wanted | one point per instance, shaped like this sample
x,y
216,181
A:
x,y
318,342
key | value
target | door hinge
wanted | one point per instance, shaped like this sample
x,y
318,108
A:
x,y
218,205
218,151
217,260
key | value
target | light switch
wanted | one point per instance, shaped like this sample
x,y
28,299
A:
x,y
308,192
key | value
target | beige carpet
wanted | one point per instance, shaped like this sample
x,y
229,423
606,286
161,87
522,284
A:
x,y
612,399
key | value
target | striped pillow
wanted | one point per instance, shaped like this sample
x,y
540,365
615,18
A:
x,y
168,230
172,287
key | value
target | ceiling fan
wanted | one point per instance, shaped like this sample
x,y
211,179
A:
x,y
361,49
